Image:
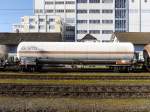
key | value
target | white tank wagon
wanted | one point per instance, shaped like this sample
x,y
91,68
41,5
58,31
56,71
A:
x,y
146,55
3,52
3,55
75,53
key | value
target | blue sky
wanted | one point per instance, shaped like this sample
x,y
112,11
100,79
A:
x,y
10,14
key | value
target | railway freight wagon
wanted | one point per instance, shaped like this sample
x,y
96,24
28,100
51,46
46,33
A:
x,y
146,55
33,54
3,55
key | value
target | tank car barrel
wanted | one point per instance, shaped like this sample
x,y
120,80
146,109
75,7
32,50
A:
x,y
75,53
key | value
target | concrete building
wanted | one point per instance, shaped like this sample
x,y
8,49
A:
x,y
63,8
81,16
17,28
121,15
40,23
95,17
139,15
99,18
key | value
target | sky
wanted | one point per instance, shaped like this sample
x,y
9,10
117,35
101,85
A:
x,y
11,11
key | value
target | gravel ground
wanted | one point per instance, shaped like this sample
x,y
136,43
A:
x,y
16,104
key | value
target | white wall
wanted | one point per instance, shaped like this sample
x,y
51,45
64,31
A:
x,y
139,21
145,16
95,16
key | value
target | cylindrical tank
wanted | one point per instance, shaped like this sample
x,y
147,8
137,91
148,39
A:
x,y
147,50
146,55
3,52
76,51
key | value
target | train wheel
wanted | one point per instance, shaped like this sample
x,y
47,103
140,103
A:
x,y
32,68
74,66
22,69
38,68
116,69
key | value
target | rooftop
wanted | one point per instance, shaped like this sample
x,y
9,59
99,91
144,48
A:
x,y
134,37
88,37
16,38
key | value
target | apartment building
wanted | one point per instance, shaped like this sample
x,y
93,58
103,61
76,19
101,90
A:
x,y
63,8
39,23
17,28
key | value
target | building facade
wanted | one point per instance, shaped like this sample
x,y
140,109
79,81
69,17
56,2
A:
x,y
63,8
17,28
81,17
99,18
40,23
121,16
95,17
139,16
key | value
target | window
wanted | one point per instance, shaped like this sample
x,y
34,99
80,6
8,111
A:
x,y
81,1
120,24
70,20
81,11
81,31
94,31
94,11
31,27
51,27
22,20
82,21
69,37
94,1
12,49
31,20
49,11
70,10
120,13
38,11
94,21
107,31
41,27
59,2
48,2
107,1
120,3
70,28
41,20
120,30
107,21
107,11
59,10
51,20
70,2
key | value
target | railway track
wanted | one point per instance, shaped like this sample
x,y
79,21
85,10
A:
x,y
73,90
88,91
72,77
